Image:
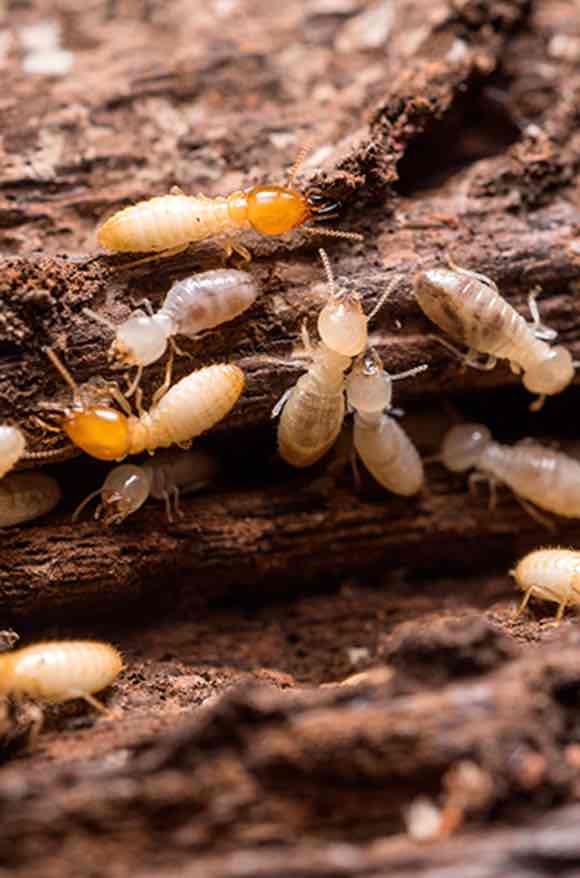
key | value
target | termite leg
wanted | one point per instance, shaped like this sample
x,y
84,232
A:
x,y
176,190
524,602
281,403
538,403
162,390
536,515
44,425
563,603
231,247
539,329
475,478
168,510
179,351
382,299
134,384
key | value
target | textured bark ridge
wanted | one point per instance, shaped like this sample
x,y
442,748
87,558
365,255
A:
x,y
446,128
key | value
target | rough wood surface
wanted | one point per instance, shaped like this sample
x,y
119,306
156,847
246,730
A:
x,y
446,128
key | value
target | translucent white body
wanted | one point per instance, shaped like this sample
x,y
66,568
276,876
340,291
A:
x,y
189,408
12,447
469,307
384,448
542,475
164,477
550,575
59,671
168,221
26,496
192,305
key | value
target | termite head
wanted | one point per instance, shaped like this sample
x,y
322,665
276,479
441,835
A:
x,y
438,292
342,323
463,446
552,374
368,387
124,490
273,210
141,339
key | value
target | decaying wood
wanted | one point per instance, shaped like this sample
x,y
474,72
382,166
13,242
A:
x,y
447,128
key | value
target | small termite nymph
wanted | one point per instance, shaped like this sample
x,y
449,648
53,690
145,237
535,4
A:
x,y
385,449
312,412
12,447
550,575
469,307
170,223
26,496
192,305
164,477
60,671
190,407
535,473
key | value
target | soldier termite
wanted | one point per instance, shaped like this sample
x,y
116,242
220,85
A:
x,y
60,671
26,496
170,223
547,478
312,411
12,447
164,477
385,449
550,575
469,307
190,407
192,305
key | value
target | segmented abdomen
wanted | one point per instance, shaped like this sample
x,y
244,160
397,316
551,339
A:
x,y
548,478
164,222
189,408
26,496
389,455
203,301
310,422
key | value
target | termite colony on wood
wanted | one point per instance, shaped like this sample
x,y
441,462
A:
x,y
343,373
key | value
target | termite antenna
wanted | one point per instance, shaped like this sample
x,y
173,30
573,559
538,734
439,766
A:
x,y
299,161
333,233
328,270
390,287
62,370
100,319
409,372
85,503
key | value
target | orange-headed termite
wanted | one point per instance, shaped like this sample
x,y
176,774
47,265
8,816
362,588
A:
x,y
550,575
172,222
547,478
312,411
26,496
12,447
189,408
385,449
60,671
469,307
164,477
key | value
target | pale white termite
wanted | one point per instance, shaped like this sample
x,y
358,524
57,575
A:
x,y
164,477
469,307
26,496
12,447
547,478
190,407
550,575
192,305
312,411
385,449
60,671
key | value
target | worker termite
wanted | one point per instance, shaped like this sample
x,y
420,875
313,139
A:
x,y
26,496
192,305
541,475
60,671
312,411
385,449
190,407
12,447
164,477
469,307
170,223
550,575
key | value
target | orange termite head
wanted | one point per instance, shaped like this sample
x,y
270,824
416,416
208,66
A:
x,y
273,210
100,431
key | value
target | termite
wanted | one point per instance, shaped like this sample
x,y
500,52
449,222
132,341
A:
x,y
168,224
541,475
26,496
385,449
469,307
192,305
312,411
12,447
190,407
550,575
60,671
164,477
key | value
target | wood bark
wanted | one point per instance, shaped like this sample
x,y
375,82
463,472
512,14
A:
x,y
446,129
